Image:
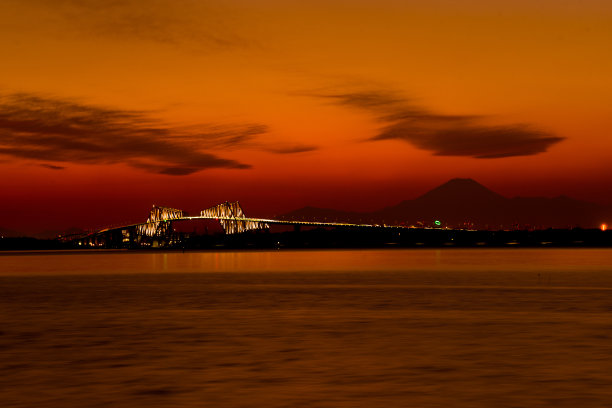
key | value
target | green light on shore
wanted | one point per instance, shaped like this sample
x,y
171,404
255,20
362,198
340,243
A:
x,y
438,223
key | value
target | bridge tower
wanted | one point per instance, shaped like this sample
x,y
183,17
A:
x,y
159,223
232,218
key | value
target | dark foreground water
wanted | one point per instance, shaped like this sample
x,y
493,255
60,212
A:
x,y
405,328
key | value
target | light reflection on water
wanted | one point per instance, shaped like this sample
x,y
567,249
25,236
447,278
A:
x,y
464,260
373,328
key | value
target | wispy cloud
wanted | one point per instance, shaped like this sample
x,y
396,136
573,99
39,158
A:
x,y
200,25
47,130
445,135
51,166
289,149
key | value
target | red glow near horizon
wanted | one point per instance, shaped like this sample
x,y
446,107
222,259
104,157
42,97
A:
x,y
280,117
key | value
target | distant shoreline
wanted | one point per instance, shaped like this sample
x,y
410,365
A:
x,y
353,239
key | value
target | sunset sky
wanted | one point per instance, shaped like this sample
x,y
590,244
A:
x,y
108,107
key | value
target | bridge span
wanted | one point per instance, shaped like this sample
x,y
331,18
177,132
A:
x,y
158,229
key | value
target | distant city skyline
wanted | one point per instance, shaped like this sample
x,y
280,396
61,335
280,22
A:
x,y
109,107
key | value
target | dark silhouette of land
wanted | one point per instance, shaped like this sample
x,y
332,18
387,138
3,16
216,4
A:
x,y
464,203
374,237
460,213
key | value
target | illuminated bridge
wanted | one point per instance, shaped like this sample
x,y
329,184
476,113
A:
x,y
158,230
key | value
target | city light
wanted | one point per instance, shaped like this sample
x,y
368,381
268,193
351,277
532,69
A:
x,y
604,227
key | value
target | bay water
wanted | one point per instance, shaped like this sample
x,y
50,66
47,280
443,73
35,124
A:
x,y
331,328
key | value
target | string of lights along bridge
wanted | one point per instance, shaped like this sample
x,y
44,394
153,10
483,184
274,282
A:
x,y
159,226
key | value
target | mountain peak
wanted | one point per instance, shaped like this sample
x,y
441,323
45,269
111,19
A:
x,y
461,189
462,182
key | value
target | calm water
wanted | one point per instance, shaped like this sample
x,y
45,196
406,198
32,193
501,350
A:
x,y
374,328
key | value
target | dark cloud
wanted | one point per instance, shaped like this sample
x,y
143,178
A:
x,y
292,149
51,130
478,142
52,167
445,135
365,100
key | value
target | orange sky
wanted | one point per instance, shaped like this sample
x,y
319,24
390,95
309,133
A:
x,y
108,107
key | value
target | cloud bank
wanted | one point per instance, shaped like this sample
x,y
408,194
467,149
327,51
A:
x,y
47,130
445,135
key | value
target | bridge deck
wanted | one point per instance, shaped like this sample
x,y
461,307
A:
x,y
289,222
260,220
